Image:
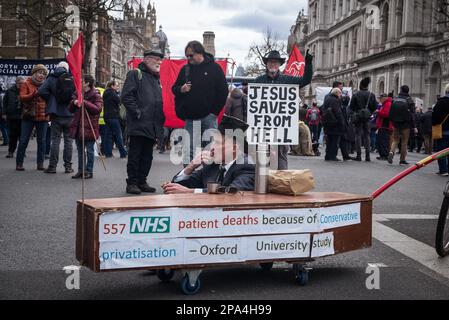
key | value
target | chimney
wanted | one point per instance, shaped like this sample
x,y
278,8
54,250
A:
x,y
209,42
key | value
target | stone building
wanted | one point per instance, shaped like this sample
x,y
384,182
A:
x,y
395,42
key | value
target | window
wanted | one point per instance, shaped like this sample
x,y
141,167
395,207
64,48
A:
x,y
21,38
48,40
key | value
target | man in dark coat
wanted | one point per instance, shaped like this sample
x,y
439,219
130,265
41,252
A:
x,y
362,101
200,94
238,173
60,116
12,109
142,98
402,115
273,62
426,127
440,115
333,123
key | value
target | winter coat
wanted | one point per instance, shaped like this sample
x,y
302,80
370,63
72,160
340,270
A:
x,y
111,102
440,111
208,93
334,104
31,100
360,101
426,123
142,98
48,92
383,115
93,104
411,108
12,107
236,104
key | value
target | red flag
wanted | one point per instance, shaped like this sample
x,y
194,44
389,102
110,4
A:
x,y
295,65
75,59
134,63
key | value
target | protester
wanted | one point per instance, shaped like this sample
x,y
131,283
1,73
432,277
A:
x,y
236,104
142,97
402,116
362,106
426,129
3,122
57,91
200,93
344,143
333,123
440,116
273,62
384,127
111,114
12,110
93,104
313,118
238,173
33,116
416,139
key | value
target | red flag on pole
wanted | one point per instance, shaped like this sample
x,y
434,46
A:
x,y
295,65
75,59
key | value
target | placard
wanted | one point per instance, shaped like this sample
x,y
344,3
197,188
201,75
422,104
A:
x,y
323,244
273,114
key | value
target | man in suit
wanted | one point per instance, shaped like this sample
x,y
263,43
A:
x,y
225,163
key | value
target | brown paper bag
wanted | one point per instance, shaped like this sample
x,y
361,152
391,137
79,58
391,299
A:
x,y
290,182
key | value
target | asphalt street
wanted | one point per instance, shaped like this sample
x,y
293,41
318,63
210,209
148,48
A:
x,y
37,238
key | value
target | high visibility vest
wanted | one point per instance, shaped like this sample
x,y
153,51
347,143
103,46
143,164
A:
x,y
101,121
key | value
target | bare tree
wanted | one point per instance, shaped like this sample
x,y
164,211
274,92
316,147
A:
x,y
45,18
257,51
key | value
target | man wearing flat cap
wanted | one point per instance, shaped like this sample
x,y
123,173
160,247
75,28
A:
x,y
225,163
273,61
142,98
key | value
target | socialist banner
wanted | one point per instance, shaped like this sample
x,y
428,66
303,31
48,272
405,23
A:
x,y
12,68
169,72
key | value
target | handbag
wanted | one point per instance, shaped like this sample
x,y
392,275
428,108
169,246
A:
x,y
29,110
437,130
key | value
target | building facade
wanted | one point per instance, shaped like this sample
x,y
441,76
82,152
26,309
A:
x,y
395,42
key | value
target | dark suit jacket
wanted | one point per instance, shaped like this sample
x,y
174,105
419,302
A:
x,y
241,176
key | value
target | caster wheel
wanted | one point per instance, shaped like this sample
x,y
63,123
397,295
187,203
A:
x,y
302,277
165,275
266,266
187,289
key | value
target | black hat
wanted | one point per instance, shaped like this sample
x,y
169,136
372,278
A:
x,y
153,53
231,123
273,55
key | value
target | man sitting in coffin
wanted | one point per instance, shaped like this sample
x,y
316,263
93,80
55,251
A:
x,y
225,162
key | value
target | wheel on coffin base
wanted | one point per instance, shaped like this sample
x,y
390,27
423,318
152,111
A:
x,y
165,275
302,277
187,289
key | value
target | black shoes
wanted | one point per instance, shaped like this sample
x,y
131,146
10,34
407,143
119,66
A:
x,y
68,170
404,162
382,158
133,189
50,170
146,188
79,175
10,155
335,160
390,158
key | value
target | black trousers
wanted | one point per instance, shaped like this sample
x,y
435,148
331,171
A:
x,y
383,142
344,147
332,146
140,158
14,128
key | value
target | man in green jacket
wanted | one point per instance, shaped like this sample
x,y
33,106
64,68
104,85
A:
x,y
273,61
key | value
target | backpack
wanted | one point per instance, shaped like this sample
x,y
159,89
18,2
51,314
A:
x,y
313,115
399,111
65,88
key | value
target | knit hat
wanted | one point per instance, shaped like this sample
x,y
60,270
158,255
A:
x,y
39,67
64,65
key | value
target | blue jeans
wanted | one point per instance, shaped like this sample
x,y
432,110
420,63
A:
x,y
113,132
4,129
90,155
442,144
25,135
208,122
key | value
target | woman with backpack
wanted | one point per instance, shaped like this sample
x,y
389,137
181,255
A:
x,y
33,116
93,104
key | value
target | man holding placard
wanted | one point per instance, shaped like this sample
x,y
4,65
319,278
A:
x,y
274,105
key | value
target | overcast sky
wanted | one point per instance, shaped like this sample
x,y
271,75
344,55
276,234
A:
x,y
236,24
